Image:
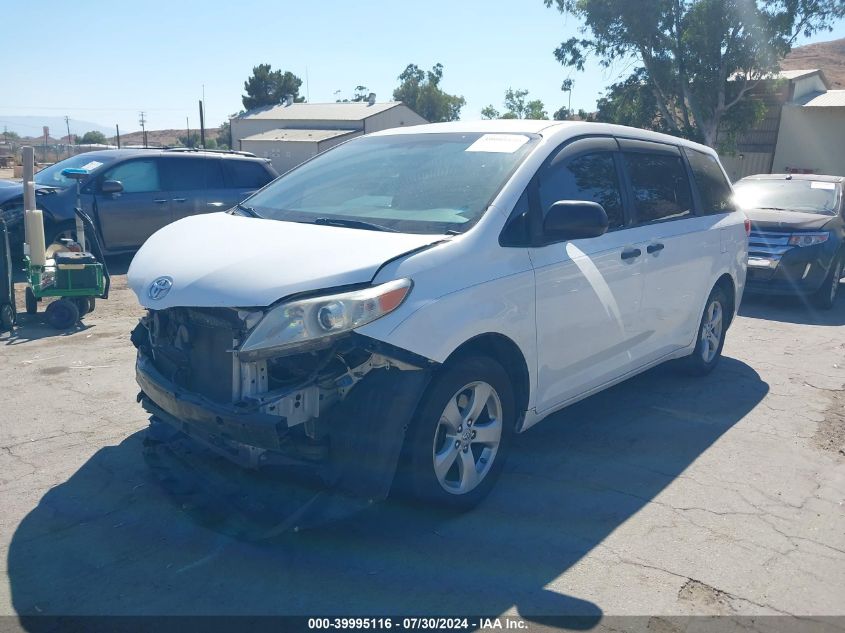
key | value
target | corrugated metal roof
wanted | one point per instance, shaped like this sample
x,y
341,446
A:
x,y
828,99
298,135
357,111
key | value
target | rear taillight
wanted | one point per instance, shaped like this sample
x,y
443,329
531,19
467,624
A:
x,y
747,227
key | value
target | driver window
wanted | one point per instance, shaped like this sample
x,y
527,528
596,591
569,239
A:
x,y
591,177
136,176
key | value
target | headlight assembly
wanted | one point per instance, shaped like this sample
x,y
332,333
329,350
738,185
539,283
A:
x,y
808,239
298,323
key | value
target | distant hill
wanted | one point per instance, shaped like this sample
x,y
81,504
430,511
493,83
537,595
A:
x,y
32,126
829,56
162,137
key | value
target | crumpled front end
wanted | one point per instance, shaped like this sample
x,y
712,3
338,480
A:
x,y
336,410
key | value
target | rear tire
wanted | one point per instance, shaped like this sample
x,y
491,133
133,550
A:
x,y
461,433
825,297
62,314
7,317
710,338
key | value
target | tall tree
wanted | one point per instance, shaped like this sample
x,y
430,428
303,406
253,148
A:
x,y
700,58
266,87
420,90
93,138
517,107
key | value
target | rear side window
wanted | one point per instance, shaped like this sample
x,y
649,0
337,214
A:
x,y
244,174
181,174
713,189
136,176
590,177
660,186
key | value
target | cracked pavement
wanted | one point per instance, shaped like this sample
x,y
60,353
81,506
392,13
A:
x,y
665,495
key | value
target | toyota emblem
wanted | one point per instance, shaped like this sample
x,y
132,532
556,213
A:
x,y
159,288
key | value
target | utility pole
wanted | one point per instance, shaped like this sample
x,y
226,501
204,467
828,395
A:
x,y
143,122
117,129
188,125
69,140
202,128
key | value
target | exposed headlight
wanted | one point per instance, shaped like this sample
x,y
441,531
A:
x,y
808,239
300,322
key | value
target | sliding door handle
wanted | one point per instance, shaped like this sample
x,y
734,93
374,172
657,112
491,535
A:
x,y
631,253
159,200
654,248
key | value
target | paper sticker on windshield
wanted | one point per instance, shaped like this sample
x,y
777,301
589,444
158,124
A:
x,y
817,184
92,165
498,143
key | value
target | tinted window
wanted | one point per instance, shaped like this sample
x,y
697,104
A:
x,y
713,188
136,176
191,173
244,174
660,186
590,177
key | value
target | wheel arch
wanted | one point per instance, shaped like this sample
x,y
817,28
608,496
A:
x,y
726,283
508,354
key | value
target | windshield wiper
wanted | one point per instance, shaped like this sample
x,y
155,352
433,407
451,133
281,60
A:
x,y
353,224
248,210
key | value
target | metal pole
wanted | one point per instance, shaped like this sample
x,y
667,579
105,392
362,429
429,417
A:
x,y
28,160
202,127
188,125
117,129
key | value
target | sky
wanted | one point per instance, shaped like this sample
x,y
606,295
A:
x,y
107,61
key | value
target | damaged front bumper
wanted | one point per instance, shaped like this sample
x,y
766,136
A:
x,y
339,413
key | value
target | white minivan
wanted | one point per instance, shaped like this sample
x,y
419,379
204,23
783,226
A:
x,y
392,311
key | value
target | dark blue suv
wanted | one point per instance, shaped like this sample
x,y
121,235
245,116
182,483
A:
x,y
131,193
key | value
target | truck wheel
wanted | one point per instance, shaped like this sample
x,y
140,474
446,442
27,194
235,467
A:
x,y
460,435
825,296
711,334
62,314
7,317
31,301
82,304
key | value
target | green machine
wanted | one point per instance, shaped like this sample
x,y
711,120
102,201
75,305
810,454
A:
x,y
67,270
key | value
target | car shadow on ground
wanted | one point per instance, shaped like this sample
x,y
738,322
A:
x,y
109,541
793,309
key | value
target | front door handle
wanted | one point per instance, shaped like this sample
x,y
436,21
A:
x,y
631,253
159,200
179,199
653,248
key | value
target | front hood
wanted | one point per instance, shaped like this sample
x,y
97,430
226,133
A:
x,y
771,220
222,260
10,189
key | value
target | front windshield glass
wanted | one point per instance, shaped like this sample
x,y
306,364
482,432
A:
x,y
52,176
805,196
413,183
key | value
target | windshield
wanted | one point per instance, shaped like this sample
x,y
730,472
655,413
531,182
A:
x,y
52,176
414,183
805,196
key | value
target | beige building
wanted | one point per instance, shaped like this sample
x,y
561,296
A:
x,y
803,131
291,133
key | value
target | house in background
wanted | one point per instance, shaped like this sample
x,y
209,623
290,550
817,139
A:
x,y
803,130
291,133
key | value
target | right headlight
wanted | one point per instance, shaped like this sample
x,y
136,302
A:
x,y
299,323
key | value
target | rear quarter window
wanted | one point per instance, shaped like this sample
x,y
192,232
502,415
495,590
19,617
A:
x,y
713,188
243,174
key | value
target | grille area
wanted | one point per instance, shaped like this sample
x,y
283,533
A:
x,y
190,348
768,245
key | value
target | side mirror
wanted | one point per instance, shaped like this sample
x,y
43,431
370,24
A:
x,y
111,186
574,220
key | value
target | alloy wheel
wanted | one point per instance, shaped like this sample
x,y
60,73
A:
x,y
711,331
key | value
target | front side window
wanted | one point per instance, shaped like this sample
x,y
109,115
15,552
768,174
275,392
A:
x,y
713,189
660,186
136,176
589,177
413,183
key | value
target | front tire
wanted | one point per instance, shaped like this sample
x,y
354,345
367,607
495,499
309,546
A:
x,y
711,334
460,436
62,314
31,301
825,297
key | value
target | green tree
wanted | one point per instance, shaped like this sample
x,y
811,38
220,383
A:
x,y
517,107
701,58
223,135
93,138
266,87
210,143
9,136
420,90
190,140
632,102
361,93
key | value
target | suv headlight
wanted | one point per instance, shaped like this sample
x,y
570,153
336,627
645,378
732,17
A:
x,y
808,239
301,322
